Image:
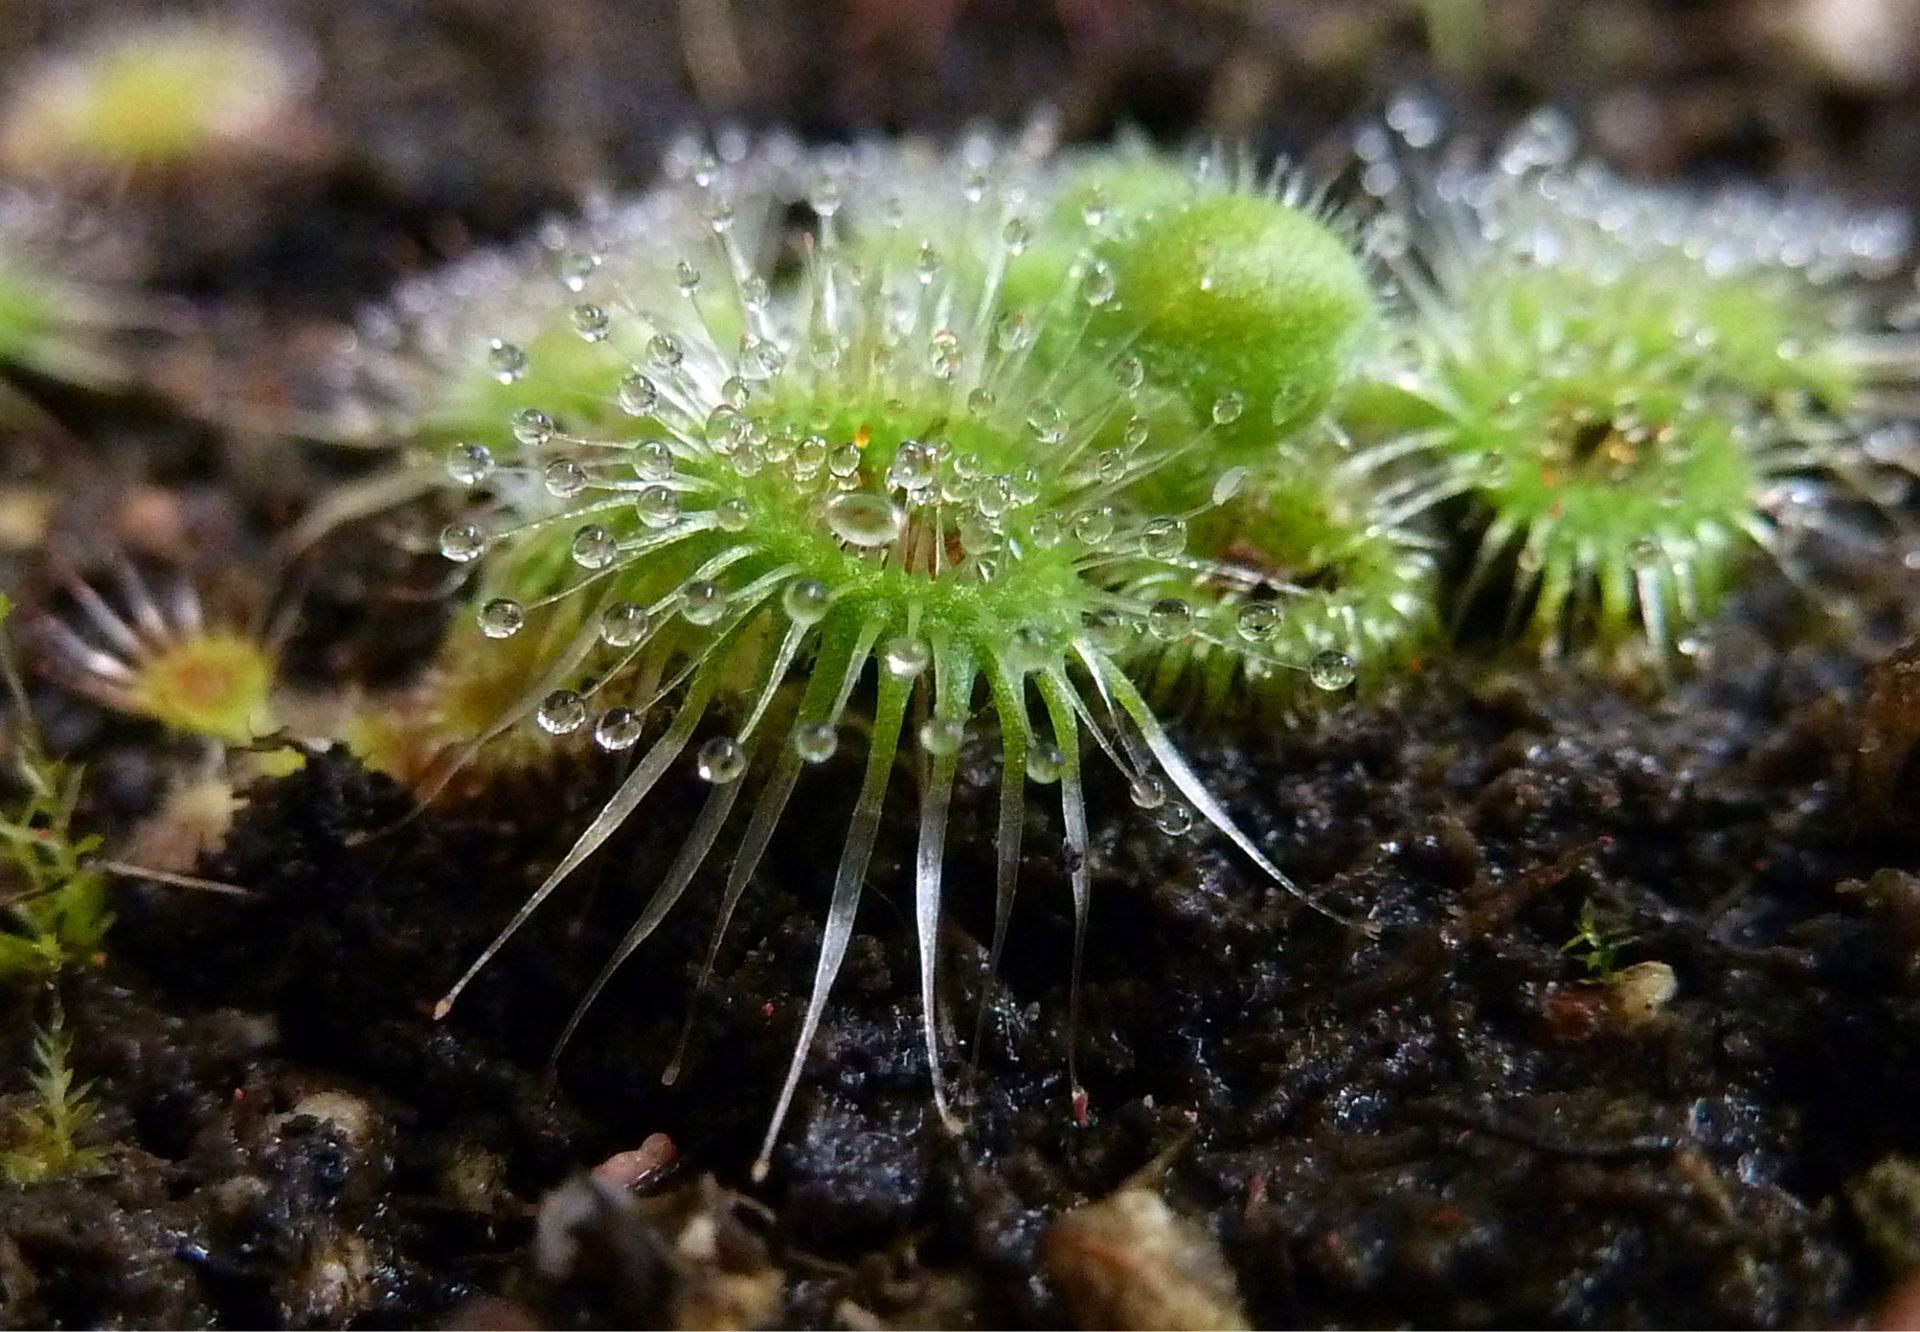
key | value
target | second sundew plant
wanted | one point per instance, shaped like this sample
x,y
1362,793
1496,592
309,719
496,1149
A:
x,y
1639,388
864,484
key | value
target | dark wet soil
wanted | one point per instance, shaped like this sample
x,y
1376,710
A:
x,y
1444,1122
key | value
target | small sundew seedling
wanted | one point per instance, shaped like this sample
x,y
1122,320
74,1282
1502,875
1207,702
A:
x,y
849,470
157,97
157,657
1639,386
55,314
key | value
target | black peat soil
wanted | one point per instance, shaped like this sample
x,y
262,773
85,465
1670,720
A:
x,y
1442,1120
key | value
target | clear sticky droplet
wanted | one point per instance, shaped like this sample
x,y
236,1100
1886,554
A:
x,y
732,514
1256,621
912,468
462,541
653,460
561,712
863,520
1173,819
657,507
505,361
469,464
1047,421
501,617
638,394
623,624
720,760
1163,538
1147,791
703,602
906,657
1099,285
564,478
1169,618
532,427
1029,648
804,600
1044,763
664,353
1228,484
591,322
1227,408
1331,669
941,736
815,742
617,729
594,547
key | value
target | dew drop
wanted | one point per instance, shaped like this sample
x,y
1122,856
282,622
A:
x,y
732,514
564,478
815,742
1129,374
906,657
927,267
1044,763
979,402
1046,530
624,624
638,395
462,541
720,760
1227,408
1018,234
501,618
687,277
469,464
506,361
532,428
1645,552
1495,469
703,602
1331,669
561,712
1094,209
594,547
862,520
941,736
1169,618
617,729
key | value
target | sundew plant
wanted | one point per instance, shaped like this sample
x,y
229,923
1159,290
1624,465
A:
x,y
1044,447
